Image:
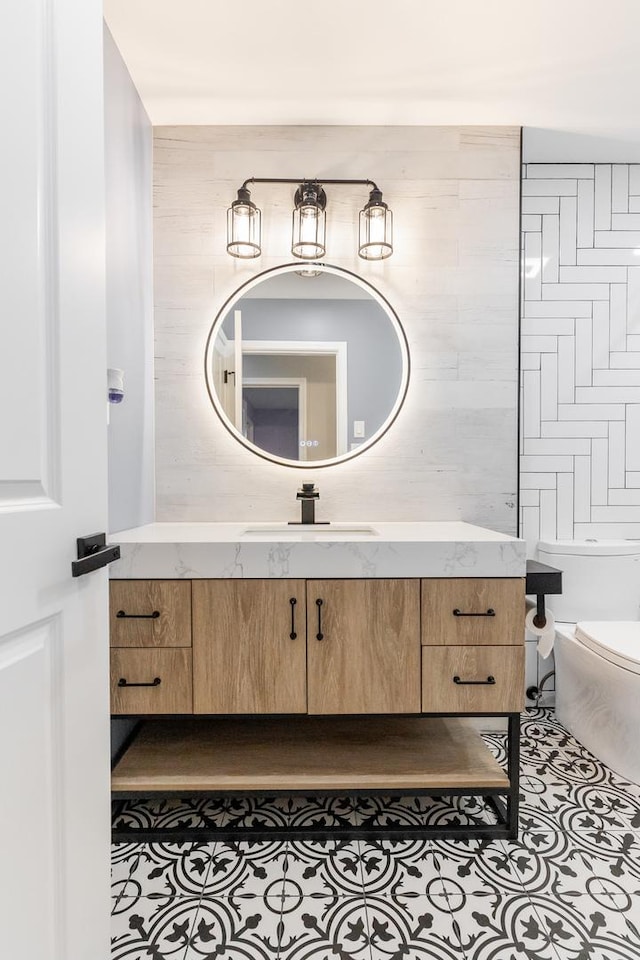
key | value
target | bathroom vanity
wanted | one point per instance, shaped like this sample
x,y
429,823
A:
x,y
337,658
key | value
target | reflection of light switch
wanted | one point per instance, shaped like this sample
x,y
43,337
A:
x,y
358,428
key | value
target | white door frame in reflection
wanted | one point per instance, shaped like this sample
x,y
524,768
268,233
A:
x,y
317,348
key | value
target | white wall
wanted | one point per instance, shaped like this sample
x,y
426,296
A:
x,y
549,145
453,281
129,275
128,165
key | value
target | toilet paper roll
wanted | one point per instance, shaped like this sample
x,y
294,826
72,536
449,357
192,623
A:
x,y
546,635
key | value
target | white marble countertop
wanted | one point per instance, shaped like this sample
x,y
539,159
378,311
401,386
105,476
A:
x,y
361,549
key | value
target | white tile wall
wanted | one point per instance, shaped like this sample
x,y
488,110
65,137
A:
x,y
580,356
581,318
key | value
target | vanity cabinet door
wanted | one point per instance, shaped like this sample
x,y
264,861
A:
x,y
249,651
363,646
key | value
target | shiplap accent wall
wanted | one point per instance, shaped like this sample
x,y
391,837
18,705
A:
x,y
580,469
453,280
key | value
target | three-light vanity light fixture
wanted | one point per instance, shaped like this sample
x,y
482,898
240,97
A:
x,y
375,237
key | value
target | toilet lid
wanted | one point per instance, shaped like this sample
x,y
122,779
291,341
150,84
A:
x,y
616,640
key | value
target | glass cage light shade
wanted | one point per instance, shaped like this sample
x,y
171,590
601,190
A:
x,y
309,223
243,227
376,229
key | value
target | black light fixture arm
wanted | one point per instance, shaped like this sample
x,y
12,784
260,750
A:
x,y
299,180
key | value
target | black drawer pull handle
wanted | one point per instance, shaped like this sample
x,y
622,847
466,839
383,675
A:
x,y
490,613
138,616
319,634
122,682
468,683
293,633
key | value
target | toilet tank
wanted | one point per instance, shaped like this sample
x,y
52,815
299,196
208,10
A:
x,y
600,578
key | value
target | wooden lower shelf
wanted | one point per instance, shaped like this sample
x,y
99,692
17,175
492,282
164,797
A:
x,y
306,754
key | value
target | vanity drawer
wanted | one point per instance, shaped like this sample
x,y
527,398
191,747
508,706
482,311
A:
x,y
150,613
173,694
441,693
473,611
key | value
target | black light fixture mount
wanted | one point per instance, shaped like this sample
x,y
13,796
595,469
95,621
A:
x,y
375,240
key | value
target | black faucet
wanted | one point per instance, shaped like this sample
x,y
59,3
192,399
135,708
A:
x,y
308,495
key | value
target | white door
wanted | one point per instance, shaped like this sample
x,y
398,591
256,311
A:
x,y
54,757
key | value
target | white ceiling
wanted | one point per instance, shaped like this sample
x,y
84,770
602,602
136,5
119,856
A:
x,y
564,64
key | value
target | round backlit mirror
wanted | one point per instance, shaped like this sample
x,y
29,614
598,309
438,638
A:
x,y
307,365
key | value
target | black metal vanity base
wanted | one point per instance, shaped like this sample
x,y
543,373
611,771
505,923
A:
x,y
503,801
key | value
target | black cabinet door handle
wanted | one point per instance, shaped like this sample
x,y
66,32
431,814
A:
x,y
293,633
469,683
122,682
490,613
93,553
319,634
138,616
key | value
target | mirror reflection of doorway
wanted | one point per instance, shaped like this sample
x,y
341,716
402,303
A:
x,y
274,415
320,367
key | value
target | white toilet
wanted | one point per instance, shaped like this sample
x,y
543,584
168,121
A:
x,y
597,646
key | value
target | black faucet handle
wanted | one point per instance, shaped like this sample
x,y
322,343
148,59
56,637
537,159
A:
x,y
308,492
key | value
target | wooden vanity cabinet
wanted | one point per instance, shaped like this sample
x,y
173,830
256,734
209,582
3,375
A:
x,y
323,647
249,646
363,646
356,648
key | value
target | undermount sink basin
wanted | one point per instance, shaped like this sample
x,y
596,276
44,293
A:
x,y
309,531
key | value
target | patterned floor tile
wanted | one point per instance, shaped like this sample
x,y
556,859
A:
x,y
497,744
627,854
576,804
246,929
568,889
420,927
601,807
500,928
246,869
256,812
610,931
168,870
142,928
124,857
539,729
323,868
325,811
172,813
424,811
295,811
479,867
319,929
571,865
400,869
